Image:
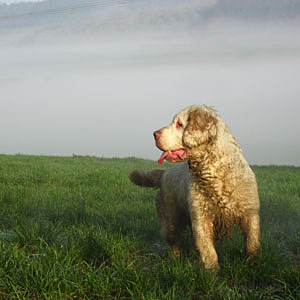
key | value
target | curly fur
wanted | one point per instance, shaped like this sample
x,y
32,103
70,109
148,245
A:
x,y
211,191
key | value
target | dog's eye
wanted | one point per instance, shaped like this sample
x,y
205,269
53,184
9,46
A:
x,y
178,125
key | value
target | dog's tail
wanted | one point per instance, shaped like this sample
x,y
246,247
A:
x,y
146,178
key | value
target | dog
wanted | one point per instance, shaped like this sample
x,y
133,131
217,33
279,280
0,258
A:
x,y
210,188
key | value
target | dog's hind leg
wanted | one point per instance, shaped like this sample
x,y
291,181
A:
x,y
171,220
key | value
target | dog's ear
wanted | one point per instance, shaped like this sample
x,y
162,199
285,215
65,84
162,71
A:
x,y
201,128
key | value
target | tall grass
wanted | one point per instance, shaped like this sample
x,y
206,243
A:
x,y
76,228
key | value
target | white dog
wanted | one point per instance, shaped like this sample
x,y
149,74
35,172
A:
x,y
211,190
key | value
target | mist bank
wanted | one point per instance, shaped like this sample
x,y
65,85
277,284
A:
x,y
78,86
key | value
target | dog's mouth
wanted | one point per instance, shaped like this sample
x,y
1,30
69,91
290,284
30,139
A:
x,y
173,156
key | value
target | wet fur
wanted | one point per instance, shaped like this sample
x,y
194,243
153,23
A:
x,y
211,192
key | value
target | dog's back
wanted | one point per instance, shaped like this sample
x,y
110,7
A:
x,y
175,181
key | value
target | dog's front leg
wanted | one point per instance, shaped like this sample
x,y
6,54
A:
x,y
251,229
203,233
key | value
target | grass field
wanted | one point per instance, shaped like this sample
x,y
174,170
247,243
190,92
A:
x,y
76,228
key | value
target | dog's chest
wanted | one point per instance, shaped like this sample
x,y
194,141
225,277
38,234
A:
x,y
210,202
213,197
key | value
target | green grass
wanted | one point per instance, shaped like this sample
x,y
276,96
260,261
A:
x,y
76,228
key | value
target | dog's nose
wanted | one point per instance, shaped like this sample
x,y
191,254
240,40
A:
x,y
157,134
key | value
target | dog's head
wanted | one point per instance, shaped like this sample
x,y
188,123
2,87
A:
x,y
191,128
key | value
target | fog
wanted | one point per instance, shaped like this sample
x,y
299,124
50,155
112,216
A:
x,y
98,79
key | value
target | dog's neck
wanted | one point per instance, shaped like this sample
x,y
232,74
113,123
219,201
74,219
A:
x,y
211,154
205,162
202,158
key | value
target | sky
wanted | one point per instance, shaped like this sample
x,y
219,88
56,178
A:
x,y
97,77
9,2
